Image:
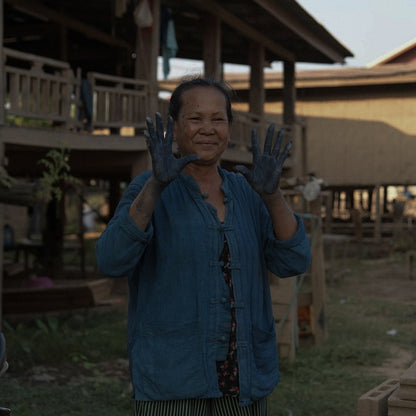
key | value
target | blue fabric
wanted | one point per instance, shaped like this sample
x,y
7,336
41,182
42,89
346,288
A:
x,y
168,42
179,313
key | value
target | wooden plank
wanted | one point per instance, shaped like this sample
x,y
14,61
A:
x,y
35,58
45,105
65,295
55,95
305,299
13,92
134,82
279,310
25,93
287,334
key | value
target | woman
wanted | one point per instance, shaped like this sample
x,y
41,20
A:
x,y
196,243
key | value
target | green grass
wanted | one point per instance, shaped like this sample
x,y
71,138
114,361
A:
x,y
324,379
80,339
105,398
328,379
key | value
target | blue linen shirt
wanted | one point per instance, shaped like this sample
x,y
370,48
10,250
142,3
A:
x,y
179,310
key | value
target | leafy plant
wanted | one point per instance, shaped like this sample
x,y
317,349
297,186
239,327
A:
x,y
56,174
6,180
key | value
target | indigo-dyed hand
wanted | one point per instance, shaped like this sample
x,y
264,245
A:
x,y
166,167
267,167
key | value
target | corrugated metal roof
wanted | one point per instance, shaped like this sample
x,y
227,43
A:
x,y
393,73
389,56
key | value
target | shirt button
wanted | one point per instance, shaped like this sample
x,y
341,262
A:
x,y
223,300
223,338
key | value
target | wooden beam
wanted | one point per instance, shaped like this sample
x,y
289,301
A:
x,y
2,78
212,46
74,24
289,93
256,90
211,6
2,111
147,51
299,28
154,53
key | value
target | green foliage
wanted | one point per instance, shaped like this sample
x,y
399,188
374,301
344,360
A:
x,y
56,174
6,180
27,122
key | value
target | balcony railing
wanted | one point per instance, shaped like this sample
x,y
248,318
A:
x,y
39,88
48,90
118,102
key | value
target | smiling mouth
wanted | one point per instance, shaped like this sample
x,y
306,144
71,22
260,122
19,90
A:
x,y
207,144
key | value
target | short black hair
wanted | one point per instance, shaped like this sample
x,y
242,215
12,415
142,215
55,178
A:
x,y
175,103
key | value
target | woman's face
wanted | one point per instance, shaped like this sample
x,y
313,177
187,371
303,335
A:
x,y
202,126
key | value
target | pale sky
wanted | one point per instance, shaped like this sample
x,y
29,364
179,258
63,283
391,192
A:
x,y
368,28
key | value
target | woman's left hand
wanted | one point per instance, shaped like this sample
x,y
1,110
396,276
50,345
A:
x,y
267,167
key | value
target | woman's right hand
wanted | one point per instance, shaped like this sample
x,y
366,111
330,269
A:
x,y
166,167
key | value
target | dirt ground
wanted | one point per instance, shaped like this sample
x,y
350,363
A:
x,y
384,279
378,279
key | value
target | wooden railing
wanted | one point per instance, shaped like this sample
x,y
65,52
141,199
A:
x,y
118,102
46,89
39,88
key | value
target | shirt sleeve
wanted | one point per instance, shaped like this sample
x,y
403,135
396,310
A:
x,y
291,257
122,243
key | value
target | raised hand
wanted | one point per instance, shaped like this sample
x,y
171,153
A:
x,y
166,167
267,167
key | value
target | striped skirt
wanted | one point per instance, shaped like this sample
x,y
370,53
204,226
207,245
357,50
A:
x,y
224,406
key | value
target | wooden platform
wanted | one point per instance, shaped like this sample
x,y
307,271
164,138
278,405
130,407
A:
x,y
64,295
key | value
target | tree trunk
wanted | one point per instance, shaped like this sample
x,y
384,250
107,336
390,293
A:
x,y
52,238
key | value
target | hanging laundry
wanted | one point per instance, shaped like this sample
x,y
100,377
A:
x,y
169,46
143,14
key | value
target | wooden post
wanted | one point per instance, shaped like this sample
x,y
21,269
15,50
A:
x,y
284,311
385,194
318,285
63,42
2,63
289,93
329,206
377,221
256,91
212,47
2,117
81,232
114,196
153,84
147,52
